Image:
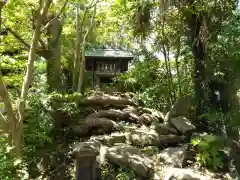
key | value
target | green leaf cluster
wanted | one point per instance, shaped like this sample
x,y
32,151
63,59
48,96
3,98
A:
x,y
209,148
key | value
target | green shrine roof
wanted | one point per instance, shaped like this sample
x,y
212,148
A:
x,y
108,53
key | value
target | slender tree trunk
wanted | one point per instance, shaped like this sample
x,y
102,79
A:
x,y
168,77
18,135
166,58
170,74
77,53
177,64
82,67
54,61
6,125
68,72
11,121
178,52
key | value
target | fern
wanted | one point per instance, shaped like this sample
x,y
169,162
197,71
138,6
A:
x,y
208,149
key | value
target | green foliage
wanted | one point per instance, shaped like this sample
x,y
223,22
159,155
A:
x,y
7,167
209,148
12,70
117,22
113,172
11,168
65,107
121,175
64,98
13,80
37,132
149,80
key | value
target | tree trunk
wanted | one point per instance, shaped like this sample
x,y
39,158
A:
x,y
170,74
8,125
77,53
54,61
195,22
177,64
166,58
18,136
82,67
68,72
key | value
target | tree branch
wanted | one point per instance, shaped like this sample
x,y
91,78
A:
x,y
18,37
81,72
57,16
85,13
82,23
18,133
21,40
8,105
92,23
93,4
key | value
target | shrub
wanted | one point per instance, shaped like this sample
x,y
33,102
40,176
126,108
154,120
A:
x,y
209,149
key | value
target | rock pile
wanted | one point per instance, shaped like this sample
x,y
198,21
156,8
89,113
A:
x,y
144,140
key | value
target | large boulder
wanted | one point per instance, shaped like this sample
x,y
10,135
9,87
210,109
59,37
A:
x,y
111,139
170,173
128,114
101,158
130,157
148,137
153,112
143,137
132,114
164,129
102,99
173,156
180,108
148,118
150,150
95,126
182,124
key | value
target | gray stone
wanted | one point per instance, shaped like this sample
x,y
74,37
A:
x,y
148,137
131,109
182,124
148,118
110,140
98,124
143,137
163,129
170,139
173,156
101,158
170,173
150,150
129,156
154,112
180,108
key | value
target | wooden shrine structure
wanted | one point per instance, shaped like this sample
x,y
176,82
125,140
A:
x,y
105,64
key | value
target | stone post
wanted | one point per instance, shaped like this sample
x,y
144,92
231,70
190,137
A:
x,y
86,161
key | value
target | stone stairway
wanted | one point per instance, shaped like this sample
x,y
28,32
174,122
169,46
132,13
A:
x,y
153,145
115,129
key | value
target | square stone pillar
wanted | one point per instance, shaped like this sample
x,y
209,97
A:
x,y
86,161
